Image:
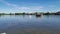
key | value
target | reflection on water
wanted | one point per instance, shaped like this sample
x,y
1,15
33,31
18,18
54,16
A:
x,y
3,33
29,24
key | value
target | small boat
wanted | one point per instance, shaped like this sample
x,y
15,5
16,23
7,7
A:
x,y
38,15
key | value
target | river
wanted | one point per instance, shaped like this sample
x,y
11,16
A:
x,y
30,24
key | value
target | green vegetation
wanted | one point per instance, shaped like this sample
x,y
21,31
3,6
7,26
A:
x,y
19,13
57,13
35,13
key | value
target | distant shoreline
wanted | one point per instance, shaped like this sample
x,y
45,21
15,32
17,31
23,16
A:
x,y
36,13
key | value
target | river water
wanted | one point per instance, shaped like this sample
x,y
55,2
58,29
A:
x,y
30,24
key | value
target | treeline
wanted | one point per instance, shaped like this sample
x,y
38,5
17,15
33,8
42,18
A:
x,y
57,13
35,13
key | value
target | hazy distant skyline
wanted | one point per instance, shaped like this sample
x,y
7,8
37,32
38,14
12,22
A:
x,y
29,5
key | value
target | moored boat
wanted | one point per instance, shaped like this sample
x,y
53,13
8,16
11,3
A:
x,y
38,14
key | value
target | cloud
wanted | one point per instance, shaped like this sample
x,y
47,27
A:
x,y
37,7
17,8
4,2
14,6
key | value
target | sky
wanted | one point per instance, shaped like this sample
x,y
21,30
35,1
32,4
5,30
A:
x,y
29,6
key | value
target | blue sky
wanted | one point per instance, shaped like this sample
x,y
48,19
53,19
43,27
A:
x,y
29,5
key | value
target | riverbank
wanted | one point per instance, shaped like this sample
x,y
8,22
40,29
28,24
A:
x,y
35,13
